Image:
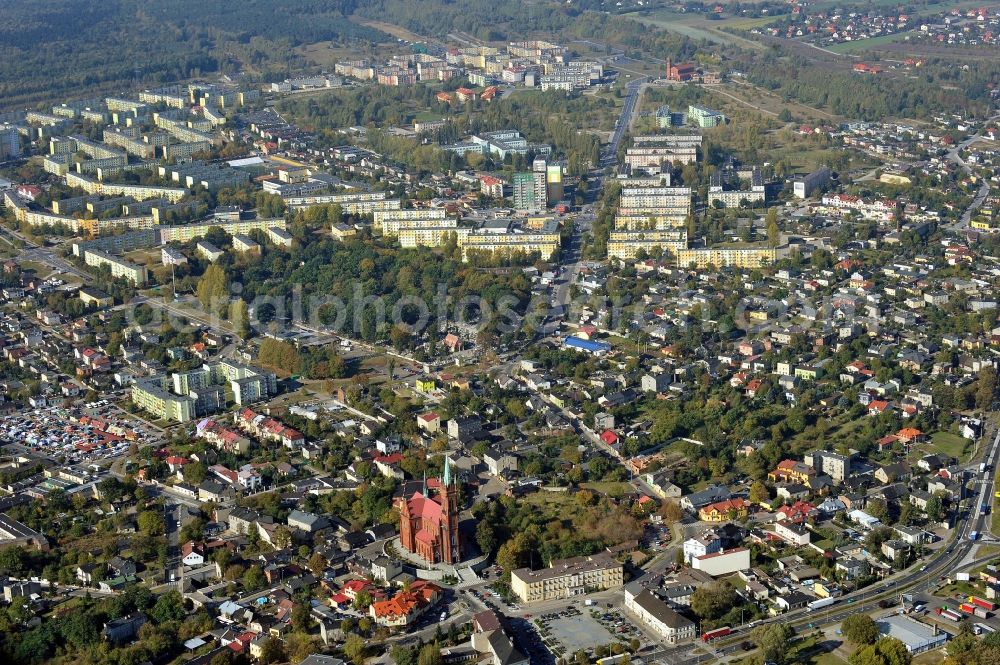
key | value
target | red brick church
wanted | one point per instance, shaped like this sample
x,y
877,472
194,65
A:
x,y
428,524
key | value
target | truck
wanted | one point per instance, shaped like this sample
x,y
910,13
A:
x,y
588,602
822,602
716,634
982,467
982,628
974,535
987,605
951,615
967,608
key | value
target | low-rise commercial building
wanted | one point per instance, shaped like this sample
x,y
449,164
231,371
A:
x,y
723,563
568,577
659,617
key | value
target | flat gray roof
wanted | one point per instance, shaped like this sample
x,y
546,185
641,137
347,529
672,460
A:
x,y
915,635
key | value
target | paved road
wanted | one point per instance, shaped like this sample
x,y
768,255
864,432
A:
x,y
33,252
608,157
955,157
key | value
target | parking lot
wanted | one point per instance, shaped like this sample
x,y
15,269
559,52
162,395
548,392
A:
x,y
570,630
85,434
616,623
526,636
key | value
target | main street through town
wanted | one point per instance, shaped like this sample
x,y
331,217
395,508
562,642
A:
x,y
609,154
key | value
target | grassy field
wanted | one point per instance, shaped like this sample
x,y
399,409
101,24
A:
x,y
739,23
390,29
327,54
810,650
950,444
697,27
610,488
929,658
963,588
862,44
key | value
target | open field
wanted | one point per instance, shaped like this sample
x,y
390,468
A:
x,y
950,444
929,658
697,27
773,104
926,49
810,650
327,54
943,443
863,44
390,29
610,488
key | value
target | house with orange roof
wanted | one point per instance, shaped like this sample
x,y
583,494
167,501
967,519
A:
x,y
388,465
452,342
721,511
878,406
406,607
352,588
176,462
792,471
465,95
911,435
886,442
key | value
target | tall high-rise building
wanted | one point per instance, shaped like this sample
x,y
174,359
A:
x,y
10,142
531,189
554,183
524,191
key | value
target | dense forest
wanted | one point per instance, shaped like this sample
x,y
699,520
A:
x,y
362,286
76,47
60,49
941,87
514,21
69,48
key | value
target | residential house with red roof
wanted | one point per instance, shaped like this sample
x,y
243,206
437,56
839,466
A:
x,y
798,512
406,606
610,438
429,422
